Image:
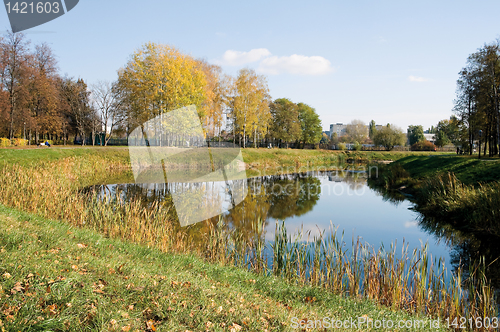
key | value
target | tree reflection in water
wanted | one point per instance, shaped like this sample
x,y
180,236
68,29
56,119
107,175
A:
x,y
276,197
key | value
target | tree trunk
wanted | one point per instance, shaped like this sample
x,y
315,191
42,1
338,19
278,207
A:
x,y
255,138
244,135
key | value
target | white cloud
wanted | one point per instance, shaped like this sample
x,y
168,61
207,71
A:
x,y
416,79
295,64
237,58
272,64
410,224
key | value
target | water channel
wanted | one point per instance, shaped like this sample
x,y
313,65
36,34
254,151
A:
x,y
310,202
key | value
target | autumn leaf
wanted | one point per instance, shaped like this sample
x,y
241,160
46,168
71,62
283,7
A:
x,y
150,325
51,309
309,299
235,327
17,288
82,245
6,275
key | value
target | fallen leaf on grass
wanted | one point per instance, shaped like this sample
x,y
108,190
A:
x,y
150,325
235,327
82,245
309,299
52,310
6,275
17,288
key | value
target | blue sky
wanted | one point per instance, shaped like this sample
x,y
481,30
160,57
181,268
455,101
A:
x,y
391,61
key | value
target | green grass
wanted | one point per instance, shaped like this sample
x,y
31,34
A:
x,y
55,277
257,159
34,155
469,170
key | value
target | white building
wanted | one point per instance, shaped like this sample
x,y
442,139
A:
x,y
339,128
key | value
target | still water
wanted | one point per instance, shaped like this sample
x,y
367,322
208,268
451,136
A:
x,y
311,202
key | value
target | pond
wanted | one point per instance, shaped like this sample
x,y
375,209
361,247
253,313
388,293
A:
x,y
311,202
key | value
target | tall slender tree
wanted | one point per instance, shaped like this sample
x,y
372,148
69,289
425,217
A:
x,y
14,56
250,105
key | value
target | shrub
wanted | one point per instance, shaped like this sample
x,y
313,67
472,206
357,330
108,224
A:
x,y
357,146
20,142
423,146
341,146
4,142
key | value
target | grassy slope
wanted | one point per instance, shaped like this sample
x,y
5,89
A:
x,y
55,277
468,170
29,156
254,157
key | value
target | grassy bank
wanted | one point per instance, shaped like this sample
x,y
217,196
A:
x,y
468,170
258,159
60,278
50,189
459,190
36,156
458,198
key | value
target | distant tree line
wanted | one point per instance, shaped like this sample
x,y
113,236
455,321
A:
x,y
37,103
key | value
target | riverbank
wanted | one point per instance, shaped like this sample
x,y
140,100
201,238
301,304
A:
x,y
457,197
51,189
58,277
469,170
256,159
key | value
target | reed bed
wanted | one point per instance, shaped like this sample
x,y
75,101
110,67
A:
x,y
461,205
411,281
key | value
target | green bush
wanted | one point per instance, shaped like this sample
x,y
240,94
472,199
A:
x,y
423,146
341,146
4,142
357,146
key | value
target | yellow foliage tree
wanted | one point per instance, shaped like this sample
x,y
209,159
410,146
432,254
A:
x,y
250,104
216,92
159,78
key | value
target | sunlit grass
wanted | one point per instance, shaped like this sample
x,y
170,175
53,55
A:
x,y
55,277
410,281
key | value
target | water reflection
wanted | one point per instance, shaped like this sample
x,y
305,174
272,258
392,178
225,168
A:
x,y
269,197
307,201
468,246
